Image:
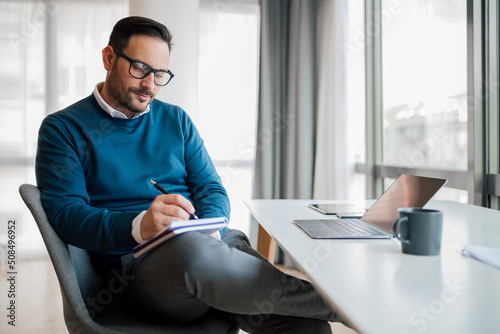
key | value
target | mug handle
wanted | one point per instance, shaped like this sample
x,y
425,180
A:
x,y
397,226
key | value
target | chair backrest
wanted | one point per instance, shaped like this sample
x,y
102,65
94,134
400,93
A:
x,y
73,267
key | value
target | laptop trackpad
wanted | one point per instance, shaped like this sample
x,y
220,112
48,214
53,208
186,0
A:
x,y
317,229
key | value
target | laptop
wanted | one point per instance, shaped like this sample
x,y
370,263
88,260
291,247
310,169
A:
x,y
377,222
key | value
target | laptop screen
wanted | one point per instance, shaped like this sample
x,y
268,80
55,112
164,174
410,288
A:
x,y
406,191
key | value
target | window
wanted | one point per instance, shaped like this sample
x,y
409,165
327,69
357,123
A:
x,y
424,74
51,58
432,95
227,105
22,88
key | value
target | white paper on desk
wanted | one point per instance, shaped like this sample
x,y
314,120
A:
x,y
490,256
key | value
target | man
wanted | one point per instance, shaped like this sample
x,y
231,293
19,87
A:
x,y
93,166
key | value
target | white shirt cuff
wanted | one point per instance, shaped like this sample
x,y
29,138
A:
x,y
136,227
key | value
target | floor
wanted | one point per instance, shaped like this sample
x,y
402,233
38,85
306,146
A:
x,y
39,305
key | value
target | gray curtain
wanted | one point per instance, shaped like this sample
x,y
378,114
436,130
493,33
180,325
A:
x,y
333,163
287,94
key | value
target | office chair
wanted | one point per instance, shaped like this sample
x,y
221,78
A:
x,y
79,281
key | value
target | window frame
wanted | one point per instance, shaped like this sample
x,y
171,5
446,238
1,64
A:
x,y
481,180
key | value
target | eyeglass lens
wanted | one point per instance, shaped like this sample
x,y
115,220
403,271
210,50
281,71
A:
x,y
140,70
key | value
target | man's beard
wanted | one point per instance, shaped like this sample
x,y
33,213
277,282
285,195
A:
x,y
123,97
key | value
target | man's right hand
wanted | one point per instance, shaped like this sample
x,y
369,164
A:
x,y
164,210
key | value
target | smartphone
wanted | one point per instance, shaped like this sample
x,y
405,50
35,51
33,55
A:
x,y
350,214
333,209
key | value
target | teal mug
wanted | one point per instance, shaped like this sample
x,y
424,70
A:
x,y
420,230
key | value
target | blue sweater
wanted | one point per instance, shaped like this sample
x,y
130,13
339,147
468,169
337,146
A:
x,y
94,170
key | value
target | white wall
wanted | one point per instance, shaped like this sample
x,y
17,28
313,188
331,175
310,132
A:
x,y
181,18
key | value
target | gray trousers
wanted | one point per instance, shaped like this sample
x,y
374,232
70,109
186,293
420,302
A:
x,y
193,274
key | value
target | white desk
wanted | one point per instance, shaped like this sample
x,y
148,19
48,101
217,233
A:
x,y
378,289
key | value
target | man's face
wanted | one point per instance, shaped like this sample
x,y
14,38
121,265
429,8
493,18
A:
x,y
126,93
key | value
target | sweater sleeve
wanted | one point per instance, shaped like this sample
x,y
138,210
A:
x,y
209,195
60,177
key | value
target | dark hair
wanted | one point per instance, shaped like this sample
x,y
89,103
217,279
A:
x,y
138,25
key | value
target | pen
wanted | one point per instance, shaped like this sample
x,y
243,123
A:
x,y
163,191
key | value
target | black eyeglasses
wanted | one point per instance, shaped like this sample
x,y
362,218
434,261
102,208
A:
x,y
140,70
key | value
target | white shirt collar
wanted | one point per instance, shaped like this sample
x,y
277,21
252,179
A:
x,y
110,110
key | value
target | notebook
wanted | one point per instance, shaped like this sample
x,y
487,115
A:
x,y
204,225
376,223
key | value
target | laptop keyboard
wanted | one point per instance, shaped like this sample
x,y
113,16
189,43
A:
x,y
351,227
